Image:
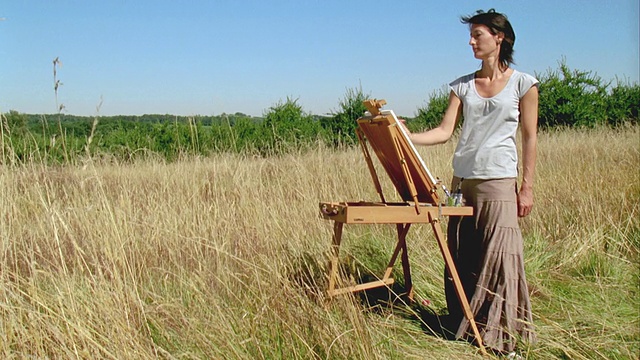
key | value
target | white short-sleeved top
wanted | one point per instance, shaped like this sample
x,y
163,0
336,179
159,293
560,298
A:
x,y
487,145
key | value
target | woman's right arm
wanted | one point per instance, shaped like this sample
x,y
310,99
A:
x,y
443,132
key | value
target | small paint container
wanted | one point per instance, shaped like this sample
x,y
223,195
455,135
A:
x,y
457,199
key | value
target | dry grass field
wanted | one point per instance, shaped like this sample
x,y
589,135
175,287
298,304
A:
x,y
225,258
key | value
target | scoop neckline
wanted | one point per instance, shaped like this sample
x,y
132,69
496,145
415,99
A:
x,y
475,89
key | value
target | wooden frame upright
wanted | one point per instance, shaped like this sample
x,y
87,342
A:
x,y
416,186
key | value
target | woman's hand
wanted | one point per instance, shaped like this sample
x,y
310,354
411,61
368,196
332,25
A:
x,y
525,201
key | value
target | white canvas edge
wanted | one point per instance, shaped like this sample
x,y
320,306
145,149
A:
x,y
413,147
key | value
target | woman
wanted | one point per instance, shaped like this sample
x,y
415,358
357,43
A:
x,y
488,247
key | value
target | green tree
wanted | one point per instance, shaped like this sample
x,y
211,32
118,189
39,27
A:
x,y
431,115
16,122
622,105
341,126
572,98
287,126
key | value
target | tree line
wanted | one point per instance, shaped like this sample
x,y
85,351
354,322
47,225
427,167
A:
x,y
568,98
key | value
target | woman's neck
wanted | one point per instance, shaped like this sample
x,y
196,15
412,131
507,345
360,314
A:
x,y
492,69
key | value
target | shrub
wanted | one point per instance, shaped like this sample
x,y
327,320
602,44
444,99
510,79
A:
x,y
429,116
341,126
287,126
15,122
622,104
572,98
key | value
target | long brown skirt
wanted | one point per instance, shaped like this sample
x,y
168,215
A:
x,y
488,253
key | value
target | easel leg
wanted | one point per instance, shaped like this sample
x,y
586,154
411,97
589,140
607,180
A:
x,y
402,240
335,252
401,245
448,259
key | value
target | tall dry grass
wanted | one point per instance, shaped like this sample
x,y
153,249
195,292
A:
x,y
225,257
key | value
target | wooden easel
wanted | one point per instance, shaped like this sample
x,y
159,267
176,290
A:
x,y
414,183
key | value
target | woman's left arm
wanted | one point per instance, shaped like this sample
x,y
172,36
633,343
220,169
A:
x,y
529,128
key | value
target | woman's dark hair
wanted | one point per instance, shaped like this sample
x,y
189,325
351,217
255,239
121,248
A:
x,y
497,23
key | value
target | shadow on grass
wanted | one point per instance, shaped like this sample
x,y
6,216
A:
x,y
383,299
311,275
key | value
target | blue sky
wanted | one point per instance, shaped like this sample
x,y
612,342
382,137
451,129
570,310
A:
x,y
212,57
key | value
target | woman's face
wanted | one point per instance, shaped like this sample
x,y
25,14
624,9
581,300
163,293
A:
x,y
483,43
